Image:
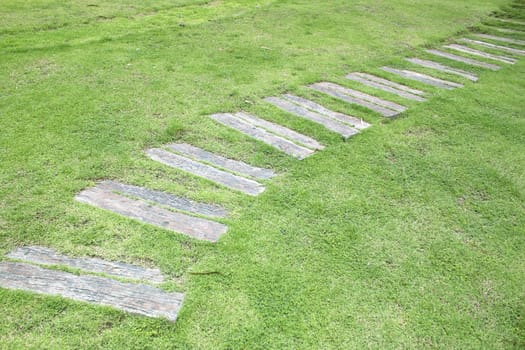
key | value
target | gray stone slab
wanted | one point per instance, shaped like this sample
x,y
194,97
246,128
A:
x,y
262,135
343,129
218,176
493,46
502,39
392,84
462,59
139,210
343,118
423,78
474,52
373,83
338,92
134,298
222,162
48,256
442,68
163,198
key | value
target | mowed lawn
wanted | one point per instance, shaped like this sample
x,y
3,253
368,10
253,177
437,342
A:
x,y
410,235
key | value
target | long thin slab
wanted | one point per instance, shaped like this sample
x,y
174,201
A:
x,y
222,162
387,82
163,198
134,298
363,79
423,78
493,46
474,52
465,60
507,30
442,68
262,135
139,210
48,256
502,39
343,129
338,91
513,21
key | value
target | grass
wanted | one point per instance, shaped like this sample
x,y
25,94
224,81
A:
x,y
409,235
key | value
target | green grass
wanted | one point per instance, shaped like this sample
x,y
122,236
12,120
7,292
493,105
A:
x,y
409,235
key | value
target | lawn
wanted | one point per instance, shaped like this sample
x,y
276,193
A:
x,y
410,235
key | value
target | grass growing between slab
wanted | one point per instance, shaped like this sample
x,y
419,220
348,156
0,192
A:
x,y
409,235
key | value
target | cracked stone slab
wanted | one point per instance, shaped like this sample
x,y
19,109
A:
x,y
263,135
231,165
474,52
423,78
134,298
502,39
442,68
494,46
48,256
343,129
142,211
465,60
208,172
388,87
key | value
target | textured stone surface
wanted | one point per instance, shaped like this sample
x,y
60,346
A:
x,y
48,256
493,46
474,52
260,134
219,161
392,84
136,209
134,298
423,78
465,60
501,39
442,68
374,82
343,129
224,178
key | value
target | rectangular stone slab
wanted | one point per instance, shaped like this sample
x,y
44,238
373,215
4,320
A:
x,y
423,78
337,92
222,162
474,52
48,256
134,298
493,46
343,118
465,60
442,68
260,134
388,88
224,178
139,210
343,129
502,39
392,84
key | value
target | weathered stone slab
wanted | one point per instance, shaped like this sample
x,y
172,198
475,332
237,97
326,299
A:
x,y
136,209
224,178
465,60
357,77
474,52
502,39
261,134
442,68
423,78
48,256
392,84
338,91
134,298
222,162
493,46
343,129
343,118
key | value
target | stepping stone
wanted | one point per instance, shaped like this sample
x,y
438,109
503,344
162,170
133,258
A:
x,y
462,59
442,68
333,125
423,78
502,39
474,52
506,30
134,298
229,180
279,142
219,161
358,98
504,20
385,85
48,256
493,46
142,211
163,198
